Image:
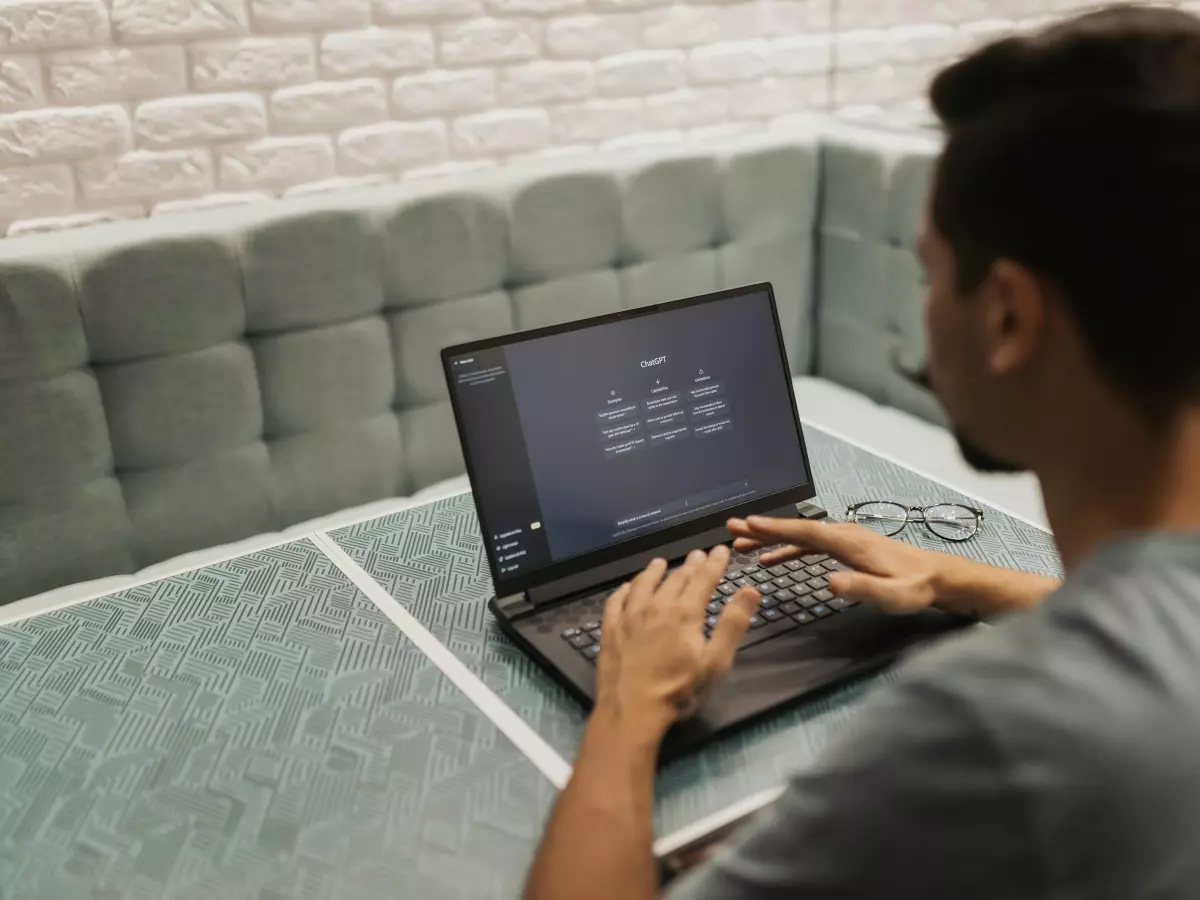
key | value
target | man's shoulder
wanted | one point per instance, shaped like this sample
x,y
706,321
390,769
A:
x,y
1085,682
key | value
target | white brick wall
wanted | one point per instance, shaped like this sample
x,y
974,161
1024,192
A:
x,y
119,108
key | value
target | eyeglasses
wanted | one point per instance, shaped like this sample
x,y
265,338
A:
x,y
949,521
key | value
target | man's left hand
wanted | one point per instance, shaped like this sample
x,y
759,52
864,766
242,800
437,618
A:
x,y
657,665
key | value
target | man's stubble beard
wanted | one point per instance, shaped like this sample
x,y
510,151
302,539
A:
x,y
974,455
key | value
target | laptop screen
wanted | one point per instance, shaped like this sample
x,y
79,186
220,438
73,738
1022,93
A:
x,y
617,429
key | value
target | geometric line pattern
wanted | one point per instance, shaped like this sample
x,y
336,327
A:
x,y
430,559
255,729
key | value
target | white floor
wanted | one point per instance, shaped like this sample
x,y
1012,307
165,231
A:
x,y
847,414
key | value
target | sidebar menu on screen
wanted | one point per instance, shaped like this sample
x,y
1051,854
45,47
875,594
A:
x,y
486,403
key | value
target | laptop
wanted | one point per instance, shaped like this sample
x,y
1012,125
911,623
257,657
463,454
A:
x,y
595,446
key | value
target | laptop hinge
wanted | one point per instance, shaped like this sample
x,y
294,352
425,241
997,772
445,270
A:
x,y
810,511
513,606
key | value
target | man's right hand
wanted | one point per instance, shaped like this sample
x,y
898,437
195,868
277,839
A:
x,y
891,575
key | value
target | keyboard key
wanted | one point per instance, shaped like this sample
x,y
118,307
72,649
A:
x,y
590,626
768,601
713,609
711,622
824,595
582,640
821,611
760,576
804,618
808,601
840,604
790,608
757,621
815,570
794,564
570,633
833,565
778,570
784,595
750,570
727,589
716,597
817,583
784,581
592,652
746,581
802,589
596,635
772,615
813,558
767,588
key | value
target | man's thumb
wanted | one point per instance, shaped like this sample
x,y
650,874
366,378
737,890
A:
x,y
882,592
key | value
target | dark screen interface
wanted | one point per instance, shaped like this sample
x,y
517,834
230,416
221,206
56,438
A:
x,y
584,439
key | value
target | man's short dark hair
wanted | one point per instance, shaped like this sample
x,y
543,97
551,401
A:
x,y
1076,152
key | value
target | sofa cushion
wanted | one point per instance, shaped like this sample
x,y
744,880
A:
x,y
443,248
148,292
41,329
311,267
320,378
671,207
565,224
173,409
566,299
55,436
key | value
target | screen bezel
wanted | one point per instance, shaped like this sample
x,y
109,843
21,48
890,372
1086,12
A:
x,y
525,581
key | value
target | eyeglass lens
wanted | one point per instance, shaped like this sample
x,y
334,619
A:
x,y
886,518
952,522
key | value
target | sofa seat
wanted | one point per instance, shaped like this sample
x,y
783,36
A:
x,y
823,404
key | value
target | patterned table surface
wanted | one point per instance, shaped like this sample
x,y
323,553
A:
x,y
259,729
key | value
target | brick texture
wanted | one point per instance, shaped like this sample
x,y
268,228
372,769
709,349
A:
x,y
114,109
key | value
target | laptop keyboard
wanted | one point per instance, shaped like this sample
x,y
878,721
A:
x,y
794,594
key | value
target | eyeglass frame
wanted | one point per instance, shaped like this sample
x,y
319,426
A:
x,y
852,513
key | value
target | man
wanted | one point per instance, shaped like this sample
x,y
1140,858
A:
x,y
1056,754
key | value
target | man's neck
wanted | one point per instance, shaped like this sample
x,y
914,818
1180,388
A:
x,y
1129,481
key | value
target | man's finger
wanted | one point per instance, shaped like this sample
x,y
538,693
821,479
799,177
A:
x,y
703,579
748,542
677,580
782,555
646,582
882,592
613,608
731,625
745,544
839,540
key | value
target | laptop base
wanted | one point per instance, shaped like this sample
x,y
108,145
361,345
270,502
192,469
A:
x,y
781,670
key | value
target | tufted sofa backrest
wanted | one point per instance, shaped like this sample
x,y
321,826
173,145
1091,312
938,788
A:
x,y
871,287
173,384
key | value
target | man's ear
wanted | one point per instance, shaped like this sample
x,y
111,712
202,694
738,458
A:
x,y
1015,317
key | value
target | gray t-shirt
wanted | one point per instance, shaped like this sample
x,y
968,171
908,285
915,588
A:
x,y
1054,755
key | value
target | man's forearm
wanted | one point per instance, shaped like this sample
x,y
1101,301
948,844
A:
x,y
599,840
973,588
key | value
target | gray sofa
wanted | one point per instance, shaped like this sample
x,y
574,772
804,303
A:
x,y
175,384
